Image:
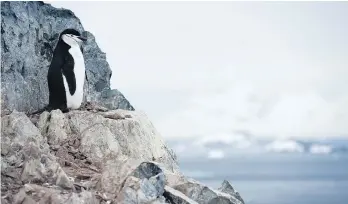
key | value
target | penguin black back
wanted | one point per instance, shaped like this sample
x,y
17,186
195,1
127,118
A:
x,y
62,64
61,58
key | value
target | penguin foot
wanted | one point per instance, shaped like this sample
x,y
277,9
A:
x,y
46,108
64,109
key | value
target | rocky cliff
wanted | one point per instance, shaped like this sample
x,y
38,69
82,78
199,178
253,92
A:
x,y
83,156
29,33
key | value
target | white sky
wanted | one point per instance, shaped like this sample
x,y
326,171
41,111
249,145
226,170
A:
x,y
272,69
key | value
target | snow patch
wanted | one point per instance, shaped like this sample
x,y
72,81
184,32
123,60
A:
x,y
284,146
320,149
234,140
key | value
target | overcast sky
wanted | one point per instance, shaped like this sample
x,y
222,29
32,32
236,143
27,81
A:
x,y
271,69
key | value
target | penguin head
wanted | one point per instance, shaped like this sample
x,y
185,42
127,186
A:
x,y
72,37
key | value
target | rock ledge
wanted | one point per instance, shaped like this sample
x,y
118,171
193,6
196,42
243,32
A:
x,y
84,156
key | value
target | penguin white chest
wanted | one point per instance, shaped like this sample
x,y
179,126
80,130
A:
x,y
74,101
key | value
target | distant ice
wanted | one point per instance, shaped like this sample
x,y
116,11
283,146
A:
x,y
320,149
284,146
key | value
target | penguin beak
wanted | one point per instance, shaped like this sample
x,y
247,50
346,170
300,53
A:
x,y
82,38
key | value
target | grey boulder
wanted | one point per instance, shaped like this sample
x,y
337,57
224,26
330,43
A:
x,y
226,187
206,195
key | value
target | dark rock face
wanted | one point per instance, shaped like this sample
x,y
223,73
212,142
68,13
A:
x,y
29,33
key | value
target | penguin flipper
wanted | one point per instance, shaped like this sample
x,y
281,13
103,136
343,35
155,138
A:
x,y
68,72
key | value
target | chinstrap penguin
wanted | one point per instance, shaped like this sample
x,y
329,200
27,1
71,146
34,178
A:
x,y
66,73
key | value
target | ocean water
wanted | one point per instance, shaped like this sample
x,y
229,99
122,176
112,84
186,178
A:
x,y
277,178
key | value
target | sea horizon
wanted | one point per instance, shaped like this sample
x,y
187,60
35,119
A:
x,y
276,178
